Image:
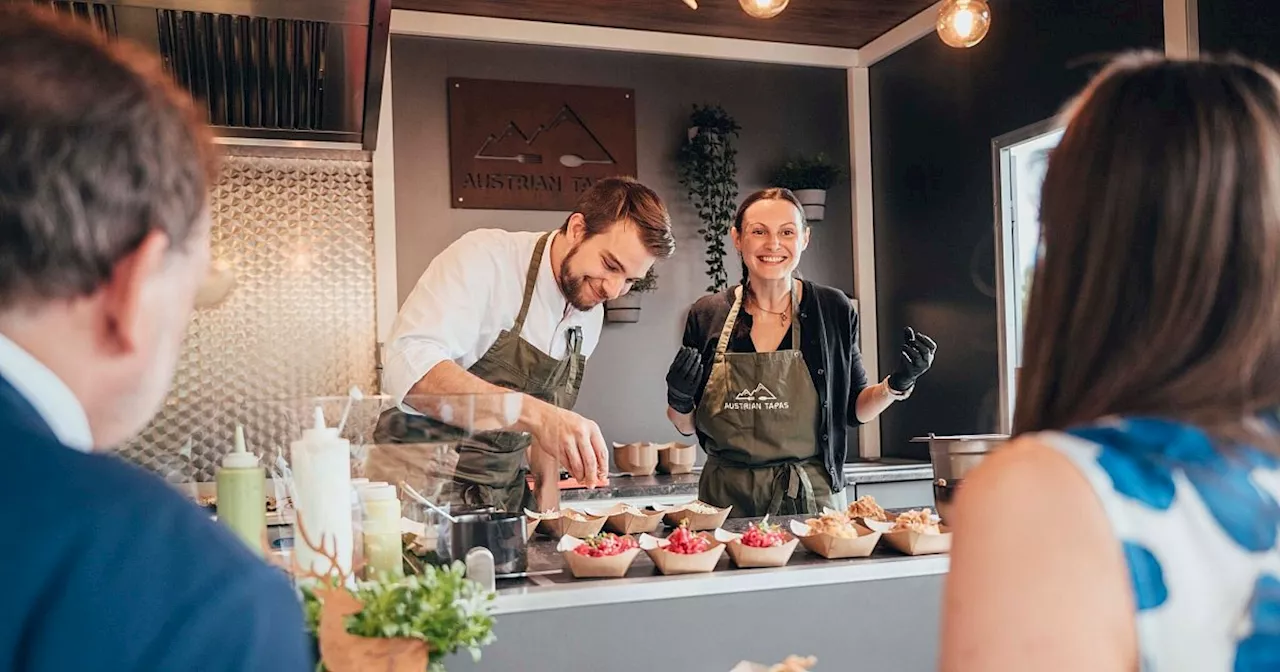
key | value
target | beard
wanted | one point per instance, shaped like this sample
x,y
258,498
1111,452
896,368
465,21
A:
x,y
574,287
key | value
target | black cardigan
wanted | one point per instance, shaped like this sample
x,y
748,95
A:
x,y
828,335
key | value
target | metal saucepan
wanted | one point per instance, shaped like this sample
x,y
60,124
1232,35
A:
x,y
500,532
953,457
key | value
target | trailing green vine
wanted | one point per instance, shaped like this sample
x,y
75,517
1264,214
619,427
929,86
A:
x,y
709,172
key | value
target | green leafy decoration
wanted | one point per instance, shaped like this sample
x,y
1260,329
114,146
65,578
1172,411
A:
x,y
646,284
708,170
441,607
807,173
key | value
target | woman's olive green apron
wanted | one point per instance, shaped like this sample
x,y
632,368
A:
x,y
759,415
491,469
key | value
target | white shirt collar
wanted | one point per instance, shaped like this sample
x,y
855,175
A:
x,y
52,399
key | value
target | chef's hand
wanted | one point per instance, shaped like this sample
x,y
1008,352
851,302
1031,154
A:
x,y
576,443
683,378
917,357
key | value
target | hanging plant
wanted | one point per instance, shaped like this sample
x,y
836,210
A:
x,y
708,170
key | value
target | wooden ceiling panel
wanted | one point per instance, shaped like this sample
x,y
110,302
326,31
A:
x,y
832,23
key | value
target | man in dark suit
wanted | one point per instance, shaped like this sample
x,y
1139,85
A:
x,y
105,170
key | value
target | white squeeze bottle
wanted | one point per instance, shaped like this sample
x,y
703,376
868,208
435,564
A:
x,y
322,480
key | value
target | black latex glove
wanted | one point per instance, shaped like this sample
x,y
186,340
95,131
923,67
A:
x,y
683,378
917,357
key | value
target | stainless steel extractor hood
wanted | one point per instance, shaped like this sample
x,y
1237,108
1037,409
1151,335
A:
x,y
276,70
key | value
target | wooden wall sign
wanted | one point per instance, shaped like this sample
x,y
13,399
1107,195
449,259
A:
x,y
531,146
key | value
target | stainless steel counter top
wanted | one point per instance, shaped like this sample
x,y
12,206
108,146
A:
x,y
559,590
629,487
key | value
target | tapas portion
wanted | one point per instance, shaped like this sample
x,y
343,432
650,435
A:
x,y
916,532
683,551
628,519
603,556
559,522
764,544
834,536
696,515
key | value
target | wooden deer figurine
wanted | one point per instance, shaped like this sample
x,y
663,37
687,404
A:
x,y
340,650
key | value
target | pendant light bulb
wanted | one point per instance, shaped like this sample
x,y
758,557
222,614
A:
x,y
963,23
763,9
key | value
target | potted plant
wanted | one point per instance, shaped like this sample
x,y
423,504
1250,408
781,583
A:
x,y
809,178
708,170
397,624
626,308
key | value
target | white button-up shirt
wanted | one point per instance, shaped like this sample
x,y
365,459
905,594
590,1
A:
x,y
469,294
52,399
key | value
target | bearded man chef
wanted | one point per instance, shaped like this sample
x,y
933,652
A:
x,y
499,311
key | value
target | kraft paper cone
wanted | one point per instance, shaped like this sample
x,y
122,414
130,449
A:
x,y
747,557
620,521
585,567
698,522
836,548
677,563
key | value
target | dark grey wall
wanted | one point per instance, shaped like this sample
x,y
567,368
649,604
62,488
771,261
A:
x,y
1247,27
934,112
782,110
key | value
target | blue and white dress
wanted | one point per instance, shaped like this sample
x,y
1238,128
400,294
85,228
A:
x,y
1199,524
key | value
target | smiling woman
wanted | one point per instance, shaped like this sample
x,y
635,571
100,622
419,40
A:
x,y
785,377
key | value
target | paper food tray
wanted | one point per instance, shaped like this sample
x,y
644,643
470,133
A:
x,y
585,567
618,520
836,548
749,556
556,524
915,543
676,563
698,522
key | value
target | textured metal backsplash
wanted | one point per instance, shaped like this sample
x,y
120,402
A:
x,y
300,322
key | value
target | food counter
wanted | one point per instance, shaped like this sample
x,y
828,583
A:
x,y
876,613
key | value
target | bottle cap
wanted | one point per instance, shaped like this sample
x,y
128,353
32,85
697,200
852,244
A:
x,y
240,457
378,492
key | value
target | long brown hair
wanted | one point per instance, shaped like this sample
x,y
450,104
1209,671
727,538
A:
x,y
769,194
1158,292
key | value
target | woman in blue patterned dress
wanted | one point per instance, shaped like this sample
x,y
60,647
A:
x,y
1132,524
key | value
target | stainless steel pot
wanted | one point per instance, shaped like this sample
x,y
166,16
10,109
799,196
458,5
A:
x,y
953,457
502,533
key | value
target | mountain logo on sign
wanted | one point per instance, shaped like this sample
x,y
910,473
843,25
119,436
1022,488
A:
x,y
565,134
761,393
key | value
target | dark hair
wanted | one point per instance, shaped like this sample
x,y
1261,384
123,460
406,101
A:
x,y
97,149
770,194
623,199
1159,290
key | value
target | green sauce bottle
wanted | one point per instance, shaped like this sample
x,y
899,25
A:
x,y
242,502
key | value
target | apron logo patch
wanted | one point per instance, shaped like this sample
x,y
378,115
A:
x,y
759,399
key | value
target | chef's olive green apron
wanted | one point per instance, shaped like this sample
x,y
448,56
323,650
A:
x,y
491,465
759,414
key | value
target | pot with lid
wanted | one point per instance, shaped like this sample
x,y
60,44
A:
x,y
953,457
